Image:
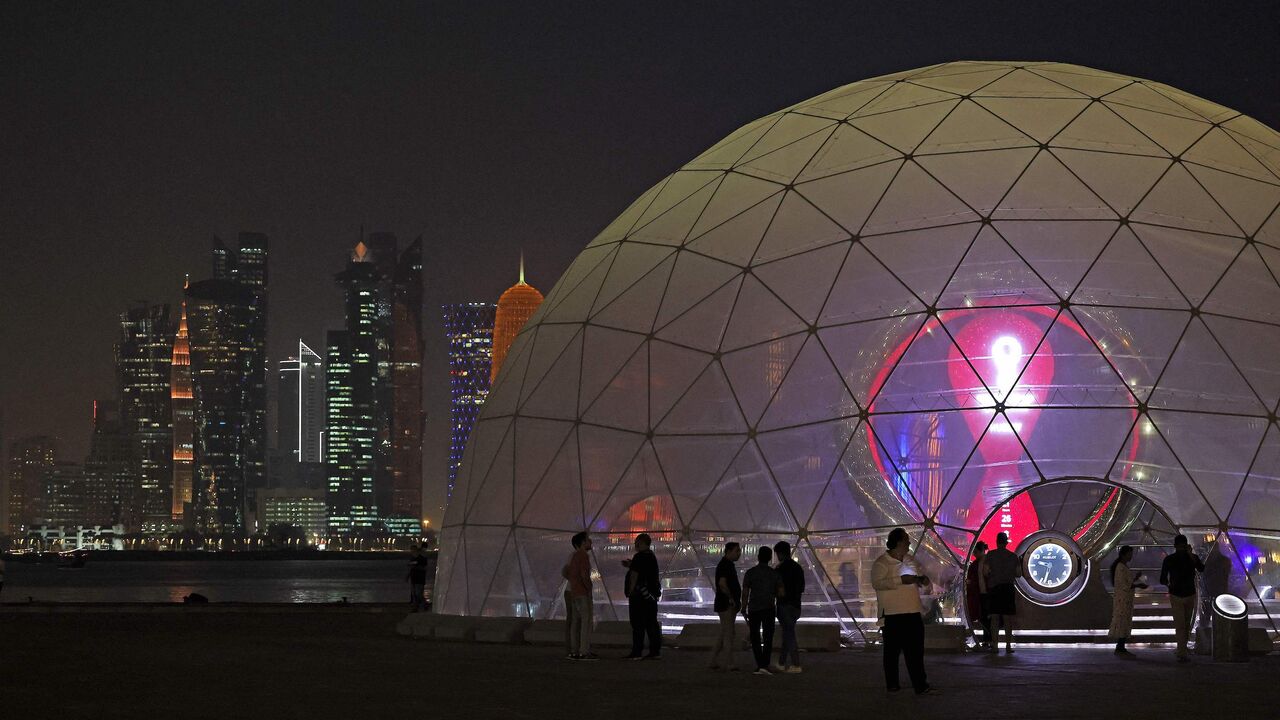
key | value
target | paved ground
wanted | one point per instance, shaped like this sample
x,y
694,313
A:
x,y
351,665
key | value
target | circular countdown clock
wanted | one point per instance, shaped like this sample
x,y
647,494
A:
x,y
1049,565
1054,570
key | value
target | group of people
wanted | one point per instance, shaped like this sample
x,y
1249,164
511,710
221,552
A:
x,y
766,592
642,588
991,599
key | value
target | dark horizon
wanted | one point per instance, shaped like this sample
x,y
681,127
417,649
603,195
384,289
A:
x,y
138,132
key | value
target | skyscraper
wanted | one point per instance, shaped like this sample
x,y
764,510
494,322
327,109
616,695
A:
x,y
515,307
182,406
221,318
64,494
407,417
143,359
353,437
300,419
29,459
227,319
247,266
469,329
106,490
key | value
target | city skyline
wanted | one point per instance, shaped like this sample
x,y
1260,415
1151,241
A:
x,y
231,126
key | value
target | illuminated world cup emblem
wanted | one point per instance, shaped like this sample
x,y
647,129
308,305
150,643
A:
x,y
958,445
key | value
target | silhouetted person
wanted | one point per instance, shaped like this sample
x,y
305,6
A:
x,y
1124,582
1004,568
897,582
578,573
643,590
417,577
792,577
975,596
1178,573
727,605
760,588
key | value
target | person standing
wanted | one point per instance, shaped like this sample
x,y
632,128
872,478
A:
x,y
975,596
727,604
417,577
897,583
1124,582
792,577
760,588
1178,573
1004,568
643,589
578,574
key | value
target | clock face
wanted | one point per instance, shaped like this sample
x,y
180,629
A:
x,y
1049,565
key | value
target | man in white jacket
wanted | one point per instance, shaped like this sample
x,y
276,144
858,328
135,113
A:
x,y
897,583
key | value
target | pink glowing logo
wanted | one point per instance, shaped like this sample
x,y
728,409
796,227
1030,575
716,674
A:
x,y
1000,376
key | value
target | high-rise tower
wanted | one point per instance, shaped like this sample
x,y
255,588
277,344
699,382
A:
x,y
107,490
181,404
143,360
407,418
515,307
228,325
29,459
221,318
353,437
300,419
468,327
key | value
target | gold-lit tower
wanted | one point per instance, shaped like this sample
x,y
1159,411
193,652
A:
x,y
515,307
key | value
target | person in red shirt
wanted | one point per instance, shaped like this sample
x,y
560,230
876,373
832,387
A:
x,y
578,573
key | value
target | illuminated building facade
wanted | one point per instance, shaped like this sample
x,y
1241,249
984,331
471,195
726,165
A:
x,y
108,490
407,416
29,460
144,359
220,315
515,307
64,495
353,439
468,327
299,507
974,288
300,419
247,267
182,404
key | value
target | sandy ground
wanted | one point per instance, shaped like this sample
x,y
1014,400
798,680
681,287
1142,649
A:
x,y
195,664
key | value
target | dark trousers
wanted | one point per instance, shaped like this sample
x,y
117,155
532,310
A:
x,y
759,621
644,621
904,634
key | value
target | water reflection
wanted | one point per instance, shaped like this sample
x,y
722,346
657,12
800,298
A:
x,y
280,581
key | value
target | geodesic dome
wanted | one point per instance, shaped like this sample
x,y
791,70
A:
x,y
902,302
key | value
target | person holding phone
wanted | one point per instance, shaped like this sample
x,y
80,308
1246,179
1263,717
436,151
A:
x,y
897,583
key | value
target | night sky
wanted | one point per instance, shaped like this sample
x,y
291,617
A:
x,y
130,135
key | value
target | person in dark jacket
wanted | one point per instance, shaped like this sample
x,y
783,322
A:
x,y
760,589
792,576
1178,573
643,590
417,577
728,603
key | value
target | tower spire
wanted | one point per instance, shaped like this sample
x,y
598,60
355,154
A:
x,y
522,282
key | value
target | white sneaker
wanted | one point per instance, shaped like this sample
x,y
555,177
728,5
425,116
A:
x,y
792,669
762,671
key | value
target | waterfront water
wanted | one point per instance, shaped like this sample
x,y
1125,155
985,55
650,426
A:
x,y
277,581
